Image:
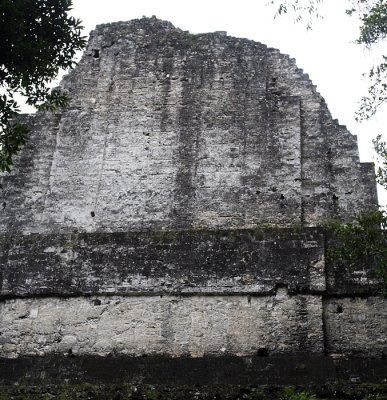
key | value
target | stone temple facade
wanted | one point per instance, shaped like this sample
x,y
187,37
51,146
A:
x,y
173,212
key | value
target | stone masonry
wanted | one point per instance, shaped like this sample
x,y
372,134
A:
x,y
173,210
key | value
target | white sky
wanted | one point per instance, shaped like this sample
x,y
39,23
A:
x,y
327,54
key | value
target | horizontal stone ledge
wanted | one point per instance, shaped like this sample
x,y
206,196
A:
x,y
278,370
179,293
219,261
191,293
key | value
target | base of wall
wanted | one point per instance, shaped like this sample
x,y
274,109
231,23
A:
x,y
193,392
301,370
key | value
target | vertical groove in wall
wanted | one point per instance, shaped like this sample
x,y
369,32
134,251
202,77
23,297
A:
x,y
324,325
189,133
103,105
302,133
323,316
190,121
51,164
331,199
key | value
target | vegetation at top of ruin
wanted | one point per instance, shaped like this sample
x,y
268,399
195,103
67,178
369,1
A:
x,y
37,39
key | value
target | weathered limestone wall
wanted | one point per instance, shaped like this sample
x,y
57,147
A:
x,y
185,293
193,326
173,130
356,326
172,211
190,326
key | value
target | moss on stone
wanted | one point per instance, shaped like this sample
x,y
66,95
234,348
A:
x,y
192,392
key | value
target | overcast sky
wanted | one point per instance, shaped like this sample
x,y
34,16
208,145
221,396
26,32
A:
x,y
327,53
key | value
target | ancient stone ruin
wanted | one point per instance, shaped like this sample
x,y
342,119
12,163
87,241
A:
x,y
166,225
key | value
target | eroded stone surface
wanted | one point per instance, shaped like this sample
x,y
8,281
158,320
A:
x,y
218,262
175,149
172,130
188,326
356,326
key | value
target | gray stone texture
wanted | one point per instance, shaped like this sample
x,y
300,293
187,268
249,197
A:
x,y
189,326
356,326
172,130
172,209
229,261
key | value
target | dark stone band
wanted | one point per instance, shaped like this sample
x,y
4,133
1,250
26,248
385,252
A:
x,y
255,370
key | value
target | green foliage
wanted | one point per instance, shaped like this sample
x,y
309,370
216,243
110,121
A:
x,y
377,91
381,151
373,396
299,8
290,393
373,29
12,138
37,39
360,242
372,15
